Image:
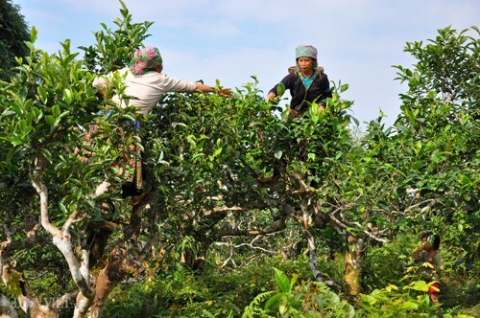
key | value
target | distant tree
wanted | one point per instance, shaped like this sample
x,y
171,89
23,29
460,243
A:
x,y
432,152
13,34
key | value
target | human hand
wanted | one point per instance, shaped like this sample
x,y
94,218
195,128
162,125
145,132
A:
x,y
416,253
225,92
422,247
271,96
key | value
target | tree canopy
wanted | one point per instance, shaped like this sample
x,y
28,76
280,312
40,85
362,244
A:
x,y
13,34
356,203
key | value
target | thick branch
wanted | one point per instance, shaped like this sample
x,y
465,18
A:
x,y
61,238
251,245
64,300
19,287
313,263
277,226
65,247
43,193
344,226
100,190
370,234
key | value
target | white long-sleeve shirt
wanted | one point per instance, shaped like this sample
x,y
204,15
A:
x,y
145,90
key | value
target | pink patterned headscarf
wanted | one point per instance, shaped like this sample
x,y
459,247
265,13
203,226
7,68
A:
x,y
145,60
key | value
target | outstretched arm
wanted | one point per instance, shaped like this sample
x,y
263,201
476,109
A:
x,y
208,89
279,89
103,84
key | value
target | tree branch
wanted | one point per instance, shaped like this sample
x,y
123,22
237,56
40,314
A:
x,y
370,234
61,238
312,251
43,193
430,202
246,244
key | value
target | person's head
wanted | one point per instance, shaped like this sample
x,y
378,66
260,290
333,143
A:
x,y
145,60
306,56
432,240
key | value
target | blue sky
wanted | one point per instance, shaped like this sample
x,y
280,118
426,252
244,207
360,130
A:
x,y
231,40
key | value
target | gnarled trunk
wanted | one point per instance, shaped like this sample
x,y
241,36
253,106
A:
x,y
119,265
106,282
29,303
354,256
7,310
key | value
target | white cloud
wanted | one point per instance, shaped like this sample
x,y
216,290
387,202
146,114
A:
x,y
216,29
106,7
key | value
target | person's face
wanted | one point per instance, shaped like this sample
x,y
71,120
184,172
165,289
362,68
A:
x,y
426,246
305,63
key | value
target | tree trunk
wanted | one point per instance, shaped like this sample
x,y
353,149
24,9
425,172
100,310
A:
x,y
353,264
104,286
7,310
28,301
109,277
319,276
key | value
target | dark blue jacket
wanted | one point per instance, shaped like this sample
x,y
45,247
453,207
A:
x,y
318,91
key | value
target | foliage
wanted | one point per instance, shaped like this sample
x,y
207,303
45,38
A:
x,y
393,301
447,66
307,300
437,133
113,49
180,293
246,289
216,293
47,108
42,107
386,264
13,33
428,161
211,231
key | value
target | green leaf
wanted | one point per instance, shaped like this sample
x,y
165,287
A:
x,y
273,300
278,154
59,118
391,287
418,285
280,89
293,280
67,96
37,114
22,124
56,110
50,120
282,280
191,140
42,94
128,117
410,306
63,208
33,34
216,153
